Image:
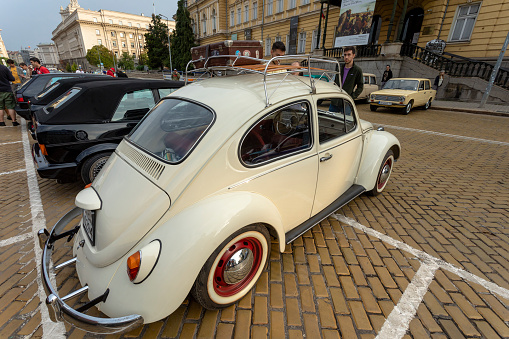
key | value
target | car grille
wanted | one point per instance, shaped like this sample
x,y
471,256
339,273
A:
x,y
387,97
149,166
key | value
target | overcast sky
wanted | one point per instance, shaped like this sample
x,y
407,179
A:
x,y
30,22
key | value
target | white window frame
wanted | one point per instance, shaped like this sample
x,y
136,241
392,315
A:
x,y
287,43
121,34
132,44
120,22
214,19
129,24
270,7
255,10
458,17
301,44
95,19
97,32
314,38
232,18
123,44
138,25
292,4
268,46
99,42
204,24
114,42
305,2
279,6
131,36
246,12
146,27
110,21
278,38
239,15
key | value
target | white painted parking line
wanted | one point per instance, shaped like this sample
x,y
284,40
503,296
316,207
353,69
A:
x,y
11,172
15,239
448,135
9,143
49,328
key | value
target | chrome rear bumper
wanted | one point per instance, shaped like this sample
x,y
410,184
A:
x,y
58,309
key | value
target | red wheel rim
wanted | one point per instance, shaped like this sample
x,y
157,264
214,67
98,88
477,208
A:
x,y
224,289
383,177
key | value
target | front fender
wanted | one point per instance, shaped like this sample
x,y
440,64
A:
x,y
187,241
95,149
376,146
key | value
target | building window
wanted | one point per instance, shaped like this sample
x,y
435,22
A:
x,y
132,44
112,33
123,44
267,46
146,27
114,43
255,10
314,39
138,25
279,6
134,55
121,35
131,36
287,44
110,21
232,18
204,22
95,19
214,27
99,42
269,7
116,54
239,15
129,24
141,45
139,36
305,2
464,23
302,43
246,13
278,38
97,32
292,4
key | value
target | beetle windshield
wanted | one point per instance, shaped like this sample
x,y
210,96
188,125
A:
x,y
404,84
172,128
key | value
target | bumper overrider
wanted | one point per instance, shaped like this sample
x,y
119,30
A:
x,y
58,309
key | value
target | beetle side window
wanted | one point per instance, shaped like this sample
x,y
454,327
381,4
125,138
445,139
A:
x,y
336,118
134,105
283,132
426,85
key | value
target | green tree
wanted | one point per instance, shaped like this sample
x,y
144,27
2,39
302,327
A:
x,y
156,43
143,59
126,61
68,67
74,67
182,39
106,56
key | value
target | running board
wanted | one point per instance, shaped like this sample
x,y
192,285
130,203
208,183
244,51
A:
x,y
352,193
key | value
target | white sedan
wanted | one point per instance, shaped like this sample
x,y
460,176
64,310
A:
x,y
189,200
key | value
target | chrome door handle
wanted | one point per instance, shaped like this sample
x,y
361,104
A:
x,y
322,159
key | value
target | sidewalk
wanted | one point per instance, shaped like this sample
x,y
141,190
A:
x,y
471,107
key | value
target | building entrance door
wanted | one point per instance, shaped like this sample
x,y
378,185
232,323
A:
x,y
412,26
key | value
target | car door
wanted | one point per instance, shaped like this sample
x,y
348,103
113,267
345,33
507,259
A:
x,y
339,139
421,95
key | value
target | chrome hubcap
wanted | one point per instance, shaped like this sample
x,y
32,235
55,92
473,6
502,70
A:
x,y
238,266
384,175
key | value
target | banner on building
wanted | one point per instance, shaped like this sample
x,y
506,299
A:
x,y
354,23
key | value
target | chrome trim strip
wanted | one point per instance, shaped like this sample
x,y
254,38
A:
x,y
67,263
75,293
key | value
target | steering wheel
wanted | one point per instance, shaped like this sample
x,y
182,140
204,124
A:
x,y
285,122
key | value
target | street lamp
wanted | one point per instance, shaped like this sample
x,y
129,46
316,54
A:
x,y
169,45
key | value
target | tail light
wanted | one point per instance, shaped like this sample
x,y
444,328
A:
x,y
133,265
43,149
20,98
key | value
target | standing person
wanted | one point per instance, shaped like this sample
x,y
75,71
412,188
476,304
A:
x,y
111,72
175,76
351,74
387,75
27,72
7,101
17,73
439,80
36,64
278,49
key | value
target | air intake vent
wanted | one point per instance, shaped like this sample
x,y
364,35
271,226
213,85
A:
x,y
151,167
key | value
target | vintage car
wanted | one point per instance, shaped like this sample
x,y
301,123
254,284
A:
x,y
404,94
370,86
188,201
77,132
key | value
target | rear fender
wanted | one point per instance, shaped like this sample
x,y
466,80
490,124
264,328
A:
x,y
107,147
187,240
377,145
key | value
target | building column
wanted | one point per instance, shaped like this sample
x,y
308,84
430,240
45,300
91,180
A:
x,y
391,23
401,21
325,29
319,27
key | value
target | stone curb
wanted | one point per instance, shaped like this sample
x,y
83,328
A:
x,y
469,110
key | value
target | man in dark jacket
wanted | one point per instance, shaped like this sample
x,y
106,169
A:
x,y
7,101
387,75
351,74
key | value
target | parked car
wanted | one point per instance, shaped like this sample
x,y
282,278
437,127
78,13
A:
x,y
370,86
189,199
37,84
77,132
404,94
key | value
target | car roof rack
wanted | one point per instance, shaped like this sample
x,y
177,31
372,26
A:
x,y
267,67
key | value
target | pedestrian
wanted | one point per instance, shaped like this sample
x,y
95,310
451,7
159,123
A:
x,y
111,72
175,76
387,75
17,73
27,72
439,80
36,64
7,101
278,49
351,74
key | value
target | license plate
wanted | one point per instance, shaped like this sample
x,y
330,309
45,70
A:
x,y
384,103
89,225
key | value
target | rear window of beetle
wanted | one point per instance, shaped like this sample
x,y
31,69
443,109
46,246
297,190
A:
x,y
172,129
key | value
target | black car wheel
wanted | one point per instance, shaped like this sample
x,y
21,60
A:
x,y
408,108
233,269
373,108
93,165
428,104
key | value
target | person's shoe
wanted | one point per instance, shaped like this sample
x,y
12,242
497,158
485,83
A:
x,y
15,123
9,117
2,123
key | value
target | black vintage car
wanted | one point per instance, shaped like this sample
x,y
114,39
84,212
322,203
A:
x,y
77,132
39,83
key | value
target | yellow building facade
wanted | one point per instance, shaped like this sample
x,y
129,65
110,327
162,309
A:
x,y
471,29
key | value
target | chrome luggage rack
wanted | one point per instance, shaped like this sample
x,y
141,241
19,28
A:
x,y
267,67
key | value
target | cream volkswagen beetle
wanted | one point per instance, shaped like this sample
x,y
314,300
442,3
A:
x,y
190,198
403,93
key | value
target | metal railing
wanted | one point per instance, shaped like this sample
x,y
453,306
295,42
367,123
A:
x,y
362,51
463,67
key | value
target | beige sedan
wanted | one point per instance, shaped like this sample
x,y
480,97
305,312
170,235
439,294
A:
x,y
403,93
370,86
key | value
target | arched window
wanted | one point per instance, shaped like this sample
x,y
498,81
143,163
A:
x,y
204,20
374,33
213,19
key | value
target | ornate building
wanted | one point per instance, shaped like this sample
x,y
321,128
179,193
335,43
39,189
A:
x,y
82,29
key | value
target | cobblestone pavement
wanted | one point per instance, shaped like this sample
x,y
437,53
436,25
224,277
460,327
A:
x,y
427,258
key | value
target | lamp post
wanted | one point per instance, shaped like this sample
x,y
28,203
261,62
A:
x,y
169,44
